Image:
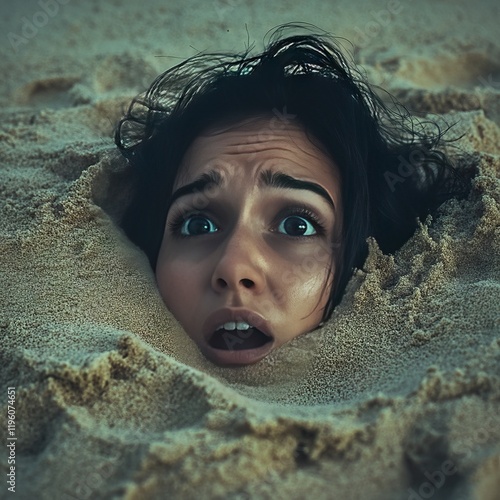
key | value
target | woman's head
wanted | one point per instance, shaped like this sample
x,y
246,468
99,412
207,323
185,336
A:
x,y
250,238
233,152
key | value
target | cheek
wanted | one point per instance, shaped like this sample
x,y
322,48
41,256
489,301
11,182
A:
x,y
310,291
177,285
303,292
306,278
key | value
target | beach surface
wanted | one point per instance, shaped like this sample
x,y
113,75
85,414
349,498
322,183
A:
x,y
396,397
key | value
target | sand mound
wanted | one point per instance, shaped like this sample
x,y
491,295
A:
x,y
397,396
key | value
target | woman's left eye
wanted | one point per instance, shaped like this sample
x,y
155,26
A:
x,y
294,225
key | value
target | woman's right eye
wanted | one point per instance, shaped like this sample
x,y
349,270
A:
x,y
196,225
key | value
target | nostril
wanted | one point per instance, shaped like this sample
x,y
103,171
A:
x,y
221,283
247,283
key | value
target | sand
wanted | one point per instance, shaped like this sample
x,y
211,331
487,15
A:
x,y
396,397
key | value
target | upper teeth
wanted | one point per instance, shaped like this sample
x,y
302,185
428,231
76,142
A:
x,y
233,325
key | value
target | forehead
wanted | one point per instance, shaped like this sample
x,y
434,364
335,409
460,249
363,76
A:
x,y
249,146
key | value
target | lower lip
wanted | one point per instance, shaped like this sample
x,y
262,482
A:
x,y
237,358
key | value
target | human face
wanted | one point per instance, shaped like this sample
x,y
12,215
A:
x,y
246,245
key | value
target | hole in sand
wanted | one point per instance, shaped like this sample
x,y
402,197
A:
x,y
47,93
468,70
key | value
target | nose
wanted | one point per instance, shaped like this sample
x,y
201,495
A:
x,y
240,265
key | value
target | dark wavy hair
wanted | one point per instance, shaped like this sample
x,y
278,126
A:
x,y
393,172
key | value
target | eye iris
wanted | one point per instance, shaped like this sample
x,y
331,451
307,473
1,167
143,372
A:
x,y
295,226
197,225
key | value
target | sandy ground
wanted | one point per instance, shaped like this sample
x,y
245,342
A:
x,y
396,397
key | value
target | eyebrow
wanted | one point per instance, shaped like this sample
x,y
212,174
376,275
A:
x,y
198,185
269,178
285,181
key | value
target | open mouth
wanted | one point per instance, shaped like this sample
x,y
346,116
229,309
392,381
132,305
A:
x,y
236,337
238,340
